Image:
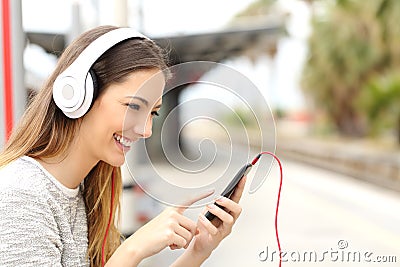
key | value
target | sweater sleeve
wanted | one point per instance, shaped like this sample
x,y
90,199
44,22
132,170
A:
x,y
29,235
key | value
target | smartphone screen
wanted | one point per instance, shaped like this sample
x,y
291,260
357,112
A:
x,y
230,188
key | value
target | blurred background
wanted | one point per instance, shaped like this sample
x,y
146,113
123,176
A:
x,y
330,73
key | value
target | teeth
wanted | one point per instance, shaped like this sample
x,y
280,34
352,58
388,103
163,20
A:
x,y
122,140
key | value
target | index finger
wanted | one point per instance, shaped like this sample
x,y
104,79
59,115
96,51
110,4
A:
x,y
191,201
237,194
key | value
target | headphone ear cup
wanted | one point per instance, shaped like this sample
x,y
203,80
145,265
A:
x,y
86,94
96,88
77,87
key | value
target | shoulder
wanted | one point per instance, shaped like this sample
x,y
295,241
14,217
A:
x,y
25,203
22,177
23,187
29,234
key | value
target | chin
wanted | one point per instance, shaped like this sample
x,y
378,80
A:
x,y
116,161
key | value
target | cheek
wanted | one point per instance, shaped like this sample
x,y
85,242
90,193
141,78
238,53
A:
x,y
131,121
128,124
109,118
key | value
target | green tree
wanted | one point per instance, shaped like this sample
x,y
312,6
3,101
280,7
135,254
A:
x,y
380,99
353,41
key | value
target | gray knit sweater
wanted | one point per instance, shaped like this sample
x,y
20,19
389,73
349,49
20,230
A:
x,y
42,222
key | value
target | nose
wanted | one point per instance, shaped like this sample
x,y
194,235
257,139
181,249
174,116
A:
x,y
144,130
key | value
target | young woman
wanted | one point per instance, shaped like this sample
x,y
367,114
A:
x,y
59,176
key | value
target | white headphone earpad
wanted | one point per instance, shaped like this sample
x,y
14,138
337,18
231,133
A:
x,y
73,93
87,101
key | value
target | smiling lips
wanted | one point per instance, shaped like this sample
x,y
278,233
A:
x,y
123,140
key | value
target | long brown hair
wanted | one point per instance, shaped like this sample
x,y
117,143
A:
x,y
44,131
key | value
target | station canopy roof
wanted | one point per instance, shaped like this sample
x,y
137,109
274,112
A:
x,y
212,46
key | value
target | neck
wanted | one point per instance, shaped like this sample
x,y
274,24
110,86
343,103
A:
x,y
72,168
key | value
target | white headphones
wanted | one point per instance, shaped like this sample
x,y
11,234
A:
x,y
73,89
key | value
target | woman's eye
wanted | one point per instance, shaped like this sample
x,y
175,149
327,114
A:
x,y
137,107
134,106
155,113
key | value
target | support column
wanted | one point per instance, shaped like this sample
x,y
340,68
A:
x,y
113,12
13,93
18,40
2,97
121,12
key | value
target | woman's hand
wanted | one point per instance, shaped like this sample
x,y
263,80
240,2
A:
x,y
210,234
169,229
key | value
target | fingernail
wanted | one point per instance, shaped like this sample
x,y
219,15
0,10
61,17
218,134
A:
x,y
197,232
210,191
211,206
220,199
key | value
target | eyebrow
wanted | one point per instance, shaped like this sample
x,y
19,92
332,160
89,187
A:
x,y
144,101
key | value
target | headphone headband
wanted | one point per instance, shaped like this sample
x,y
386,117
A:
x,y
73,88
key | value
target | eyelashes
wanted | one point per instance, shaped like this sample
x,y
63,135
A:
x,y
133,106
137,108
155,113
